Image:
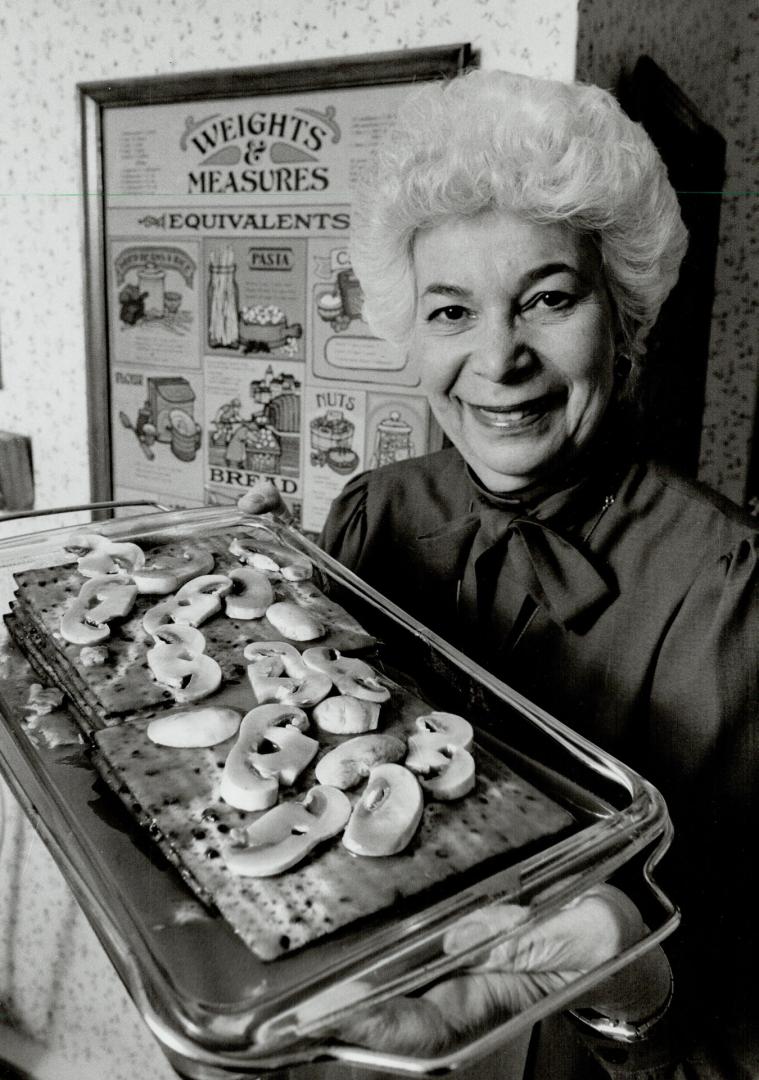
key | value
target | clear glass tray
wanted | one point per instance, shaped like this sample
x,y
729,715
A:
x,y
212,1004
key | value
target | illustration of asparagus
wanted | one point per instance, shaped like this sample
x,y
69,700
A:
x,y
222,300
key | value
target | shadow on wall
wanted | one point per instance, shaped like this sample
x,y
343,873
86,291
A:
x,y
678,349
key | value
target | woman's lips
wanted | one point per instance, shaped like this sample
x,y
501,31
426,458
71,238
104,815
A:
x,y
515,417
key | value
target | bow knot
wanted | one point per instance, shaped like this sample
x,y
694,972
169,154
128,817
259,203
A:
x,y
533,558
556,574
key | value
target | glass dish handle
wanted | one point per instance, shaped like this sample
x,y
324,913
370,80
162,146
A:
x,y
109,505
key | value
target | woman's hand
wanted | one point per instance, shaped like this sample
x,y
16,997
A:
x,y
265,498
546,957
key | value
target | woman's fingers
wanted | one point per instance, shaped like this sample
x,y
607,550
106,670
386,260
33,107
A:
x,y
594,928
456,1007
264,498
451,1011
501,982
482,925
475,1001
402,1025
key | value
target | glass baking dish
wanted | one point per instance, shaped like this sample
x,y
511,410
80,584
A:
x,y
217,1009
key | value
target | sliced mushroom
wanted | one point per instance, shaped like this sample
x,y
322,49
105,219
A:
x,y
293,565
458,731
242,783
192,605
159,616
350,762
76,629
304,691
190,675
201,597
100,600
251,594
344,715
266,667
242,786
332,661
293,621
99,555
82,544
176,634
264,563
444,769
266,687
286,834
246,551
272,558
351,676
173,648
289,658
321,657
166,573
205,726
282,752
388,813
366,687
262,717
298,570
204,679
108,598
309,690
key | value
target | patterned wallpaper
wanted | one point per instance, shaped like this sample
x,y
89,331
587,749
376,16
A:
x,y
47,46
710,51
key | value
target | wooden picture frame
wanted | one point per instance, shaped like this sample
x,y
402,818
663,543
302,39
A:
x,y
155,152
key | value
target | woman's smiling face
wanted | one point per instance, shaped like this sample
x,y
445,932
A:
x,y
514,334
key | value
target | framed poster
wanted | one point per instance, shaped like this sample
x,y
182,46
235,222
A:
x,y
224,332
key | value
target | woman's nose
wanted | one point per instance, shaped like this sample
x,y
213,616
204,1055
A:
x,y
502,353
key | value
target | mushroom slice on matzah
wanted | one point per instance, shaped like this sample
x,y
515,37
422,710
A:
x,y
178,796
122,687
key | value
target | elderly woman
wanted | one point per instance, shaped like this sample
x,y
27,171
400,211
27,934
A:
x,y
518,240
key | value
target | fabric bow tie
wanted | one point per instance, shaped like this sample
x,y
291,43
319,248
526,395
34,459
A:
x,y
557,575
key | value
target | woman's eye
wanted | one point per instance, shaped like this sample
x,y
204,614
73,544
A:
x,y
550,301
451,313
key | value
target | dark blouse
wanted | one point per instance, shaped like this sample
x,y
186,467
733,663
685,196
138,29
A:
x,y
627,606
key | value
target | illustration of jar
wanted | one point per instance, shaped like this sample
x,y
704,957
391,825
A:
x,y
151,280
223,300
392,441
185,435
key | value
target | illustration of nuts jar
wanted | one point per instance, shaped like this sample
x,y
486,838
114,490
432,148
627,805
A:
x,y
392,441
331,436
